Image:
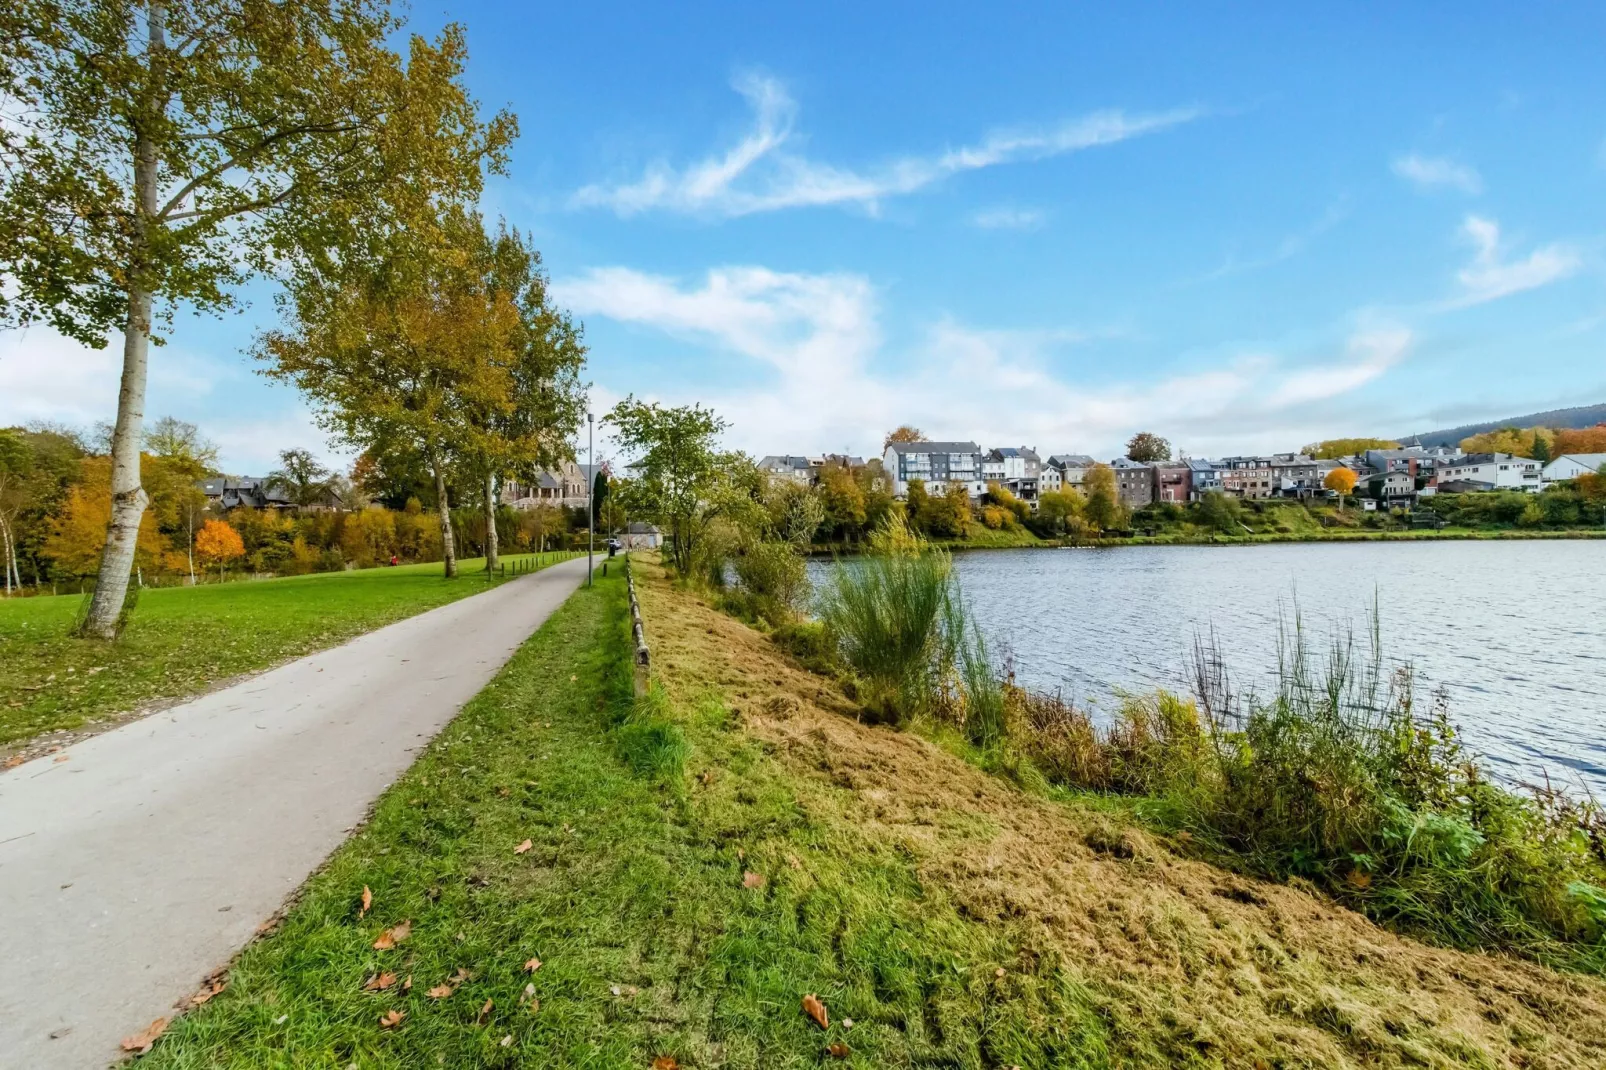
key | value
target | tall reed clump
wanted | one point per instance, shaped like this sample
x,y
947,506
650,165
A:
x,y
1337,775
899,622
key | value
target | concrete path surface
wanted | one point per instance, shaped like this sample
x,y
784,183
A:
x,y
151,855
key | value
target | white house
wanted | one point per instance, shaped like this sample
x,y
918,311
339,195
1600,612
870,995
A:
x,y
938,464
1017,468
1573,465
1492,471
1064,471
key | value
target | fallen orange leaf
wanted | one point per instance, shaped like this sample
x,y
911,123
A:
x,y
63,757
440,991
485,1014
12,762
391,1020
752,880
816,1010
521,848
141,1042
379,982
532,965
839,1050
665,1062
367,901
1359,878
393,936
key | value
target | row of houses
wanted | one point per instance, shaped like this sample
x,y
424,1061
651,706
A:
x,y
1394,475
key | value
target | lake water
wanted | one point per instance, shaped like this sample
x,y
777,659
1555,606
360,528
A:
x,y
1514,630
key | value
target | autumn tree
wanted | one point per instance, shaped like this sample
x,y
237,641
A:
x,y
531,423
406,353
159,153
1146,447
1056,509
843,500
678,469
903,433
1342,482
1334,448
76,540
1103,507
218,544
1517,441
1580,440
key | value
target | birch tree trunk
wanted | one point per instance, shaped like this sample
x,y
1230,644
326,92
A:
x,y
128,496
491,550
448,548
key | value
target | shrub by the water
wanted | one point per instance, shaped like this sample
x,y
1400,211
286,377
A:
x,y
1337,776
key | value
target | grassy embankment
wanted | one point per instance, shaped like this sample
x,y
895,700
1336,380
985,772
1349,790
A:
x,y
741,841
182,640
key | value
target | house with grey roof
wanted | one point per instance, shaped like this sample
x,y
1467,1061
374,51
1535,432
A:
x,y
231,492
937,464
1017,468
1572,465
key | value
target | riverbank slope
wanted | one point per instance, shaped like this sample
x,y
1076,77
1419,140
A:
x,y
582,881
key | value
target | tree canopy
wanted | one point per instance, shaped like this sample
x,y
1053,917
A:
x,y
1146,447
677,469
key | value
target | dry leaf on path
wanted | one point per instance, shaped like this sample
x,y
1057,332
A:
x,y
440,991
12,762
141,1042
210,987
839,1050
752,880
393,936
367,901
379,982
391,1020
532,965
521,848
63,757
485,1014
816,1010
665,1062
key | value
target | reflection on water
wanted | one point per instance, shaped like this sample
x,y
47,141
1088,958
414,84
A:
x,y
1516,631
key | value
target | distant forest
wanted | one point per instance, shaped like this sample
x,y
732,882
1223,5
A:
x,y
1582,416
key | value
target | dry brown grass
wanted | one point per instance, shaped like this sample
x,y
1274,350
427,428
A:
x,y
1180,956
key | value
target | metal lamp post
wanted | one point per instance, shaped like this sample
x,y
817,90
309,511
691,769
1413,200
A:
x,y
591,484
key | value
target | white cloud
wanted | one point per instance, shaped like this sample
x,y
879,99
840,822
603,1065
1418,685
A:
x,y
45,376
1488,277
1433,172
759,174
1006,218
831,387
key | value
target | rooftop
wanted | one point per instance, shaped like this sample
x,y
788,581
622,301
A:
x,y
933,447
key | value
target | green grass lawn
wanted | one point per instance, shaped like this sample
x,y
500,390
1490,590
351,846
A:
x,y
643,824
180,640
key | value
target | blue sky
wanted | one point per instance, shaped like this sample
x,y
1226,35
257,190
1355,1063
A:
x,y
1242,227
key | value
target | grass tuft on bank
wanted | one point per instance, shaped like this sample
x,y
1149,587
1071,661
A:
x,y
182,640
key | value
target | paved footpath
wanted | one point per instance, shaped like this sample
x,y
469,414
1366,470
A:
x,y
148,858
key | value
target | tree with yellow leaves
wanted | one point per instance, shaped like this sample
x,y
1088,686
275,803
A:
x,y
1341,481
218,544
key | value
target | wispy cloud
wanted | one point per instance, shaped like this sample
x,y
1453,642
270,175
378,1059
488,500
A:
x,y
1007,218
831,384
1290,247
761,174
1488,277
1435,172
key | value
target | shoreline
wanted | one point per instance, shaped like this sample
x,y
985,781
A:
x,y
1257,539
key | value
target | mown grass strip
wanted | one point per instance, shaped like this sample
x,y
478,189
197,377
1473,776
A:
x,y
645,823
181,640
